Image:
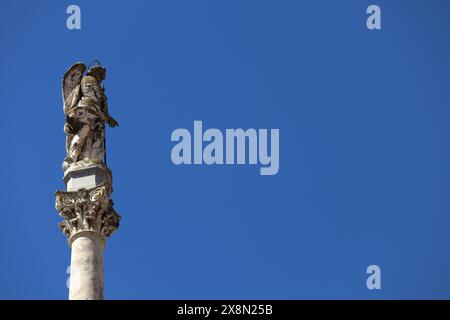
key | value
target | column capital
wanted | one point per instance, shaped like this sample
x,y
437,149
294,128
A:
x,y
87,210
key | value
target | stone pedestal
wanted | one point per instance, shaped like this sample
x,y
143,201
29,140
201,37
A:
x,y
89,219
86,177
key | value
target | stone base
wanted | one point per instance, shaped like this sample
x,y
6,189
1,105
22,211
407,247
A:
x,y
87,175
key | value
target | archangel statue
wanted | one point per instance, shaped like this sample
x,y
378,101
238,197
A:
x,y
86,110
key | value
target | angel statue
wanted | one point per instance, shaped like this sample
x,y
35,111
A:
x,y
86,110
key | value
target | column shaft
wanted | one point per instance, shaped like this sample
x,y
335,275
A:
x,y
86,269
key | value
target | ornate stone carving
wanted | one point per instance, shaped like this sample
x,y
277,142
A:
x,y
87,210
86,109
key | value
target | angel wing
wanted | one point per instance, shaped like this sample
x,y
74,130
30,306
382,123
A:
x,y
72,78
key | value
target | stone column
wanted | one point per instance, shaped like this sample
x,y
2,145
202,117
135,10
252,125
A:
x,y
85,206
89,219
86,267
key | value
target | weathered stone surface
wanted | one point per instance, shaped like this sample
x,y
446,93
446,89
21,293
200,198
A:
x,y
87,174
87,210
89,218
86,110
86,267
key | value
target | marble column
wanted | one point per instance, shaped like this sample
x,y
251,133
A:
x,y
89,219
85,206
86,266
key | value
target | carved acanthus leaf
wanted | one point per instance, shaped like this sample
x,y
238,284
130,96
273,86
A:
x,y
87,210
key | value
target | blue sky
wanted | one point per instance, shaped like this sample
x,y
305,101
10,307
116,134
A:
x,y
364,147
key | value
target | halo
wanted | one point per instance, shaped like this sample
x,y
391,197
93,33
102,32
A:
x,y
94,63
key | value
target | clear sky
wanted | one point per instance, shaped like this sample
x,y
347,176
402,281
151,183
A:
x,y
364,147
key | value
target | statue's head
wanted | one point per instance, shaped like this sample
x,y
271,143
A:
x,y
97,70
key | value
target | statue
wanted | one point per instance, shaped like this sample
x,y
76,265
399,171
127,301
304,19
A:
x,y
88,213
86,110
